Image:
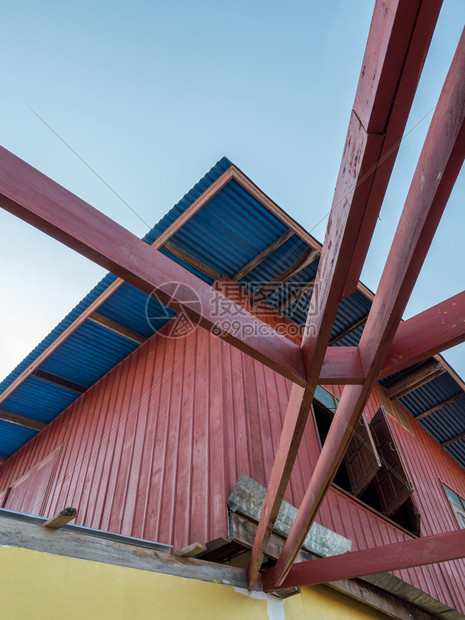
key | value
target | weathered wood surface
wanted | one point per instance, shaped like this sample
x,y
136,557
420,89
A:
x,y
86,547
20,420
263,254
117,328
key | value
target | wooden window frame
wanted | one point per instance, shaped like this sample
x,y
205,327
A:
x,y
452,504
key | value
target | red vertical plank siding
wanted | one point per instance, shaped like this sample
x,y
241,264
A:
x,y
154,449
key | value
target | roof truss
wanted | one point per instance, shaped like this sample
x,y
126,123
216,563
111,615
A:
x,y
399,38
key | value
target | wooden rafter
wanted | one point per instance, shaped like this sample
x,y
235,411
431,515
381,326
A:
x,y
60,339
243,531
349,329
415,380
453,440
296,296
305,259
441,405
341,365
263,254
20,420
60,381
444,325
399,38
190,260
395,556
439,164
117,328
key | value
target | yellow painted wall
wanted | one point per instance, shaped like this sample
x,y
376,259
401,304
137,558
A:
x,y
321,602
38,586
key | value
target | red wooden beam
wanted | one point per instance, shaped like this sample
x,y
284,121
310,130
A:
x,y
38,200
439,164
341,366
410,54
389,54
427,333
406,554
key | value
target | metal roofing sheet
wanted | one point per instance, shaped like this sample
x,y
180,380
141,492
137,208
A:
x,y
185,202
281,259
445,425
430,394
298,310
39,400
457,450
89,353
351,309
230,230
160,227
130,307
12,437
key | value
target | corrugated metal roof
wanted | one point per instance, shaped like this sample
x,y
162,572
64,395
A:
x,y
38,400
14,436
457,450
230,229
351,310
430,394
59,329
130,307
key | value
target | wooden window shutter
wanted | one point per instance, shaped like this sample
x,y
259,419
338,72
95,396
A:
x,y
393,483
361,459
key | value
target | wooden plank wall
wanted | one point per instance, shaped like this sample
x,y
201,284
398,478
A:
x,y
155,447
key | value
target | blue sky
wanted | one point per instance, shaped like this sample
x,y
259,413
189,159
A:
x,y
152,94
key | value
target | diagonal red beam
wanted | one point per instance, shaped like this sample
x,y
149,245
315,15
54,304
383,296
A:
x,y
439,164
413,60
397,43
432,331
38,200
406,554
